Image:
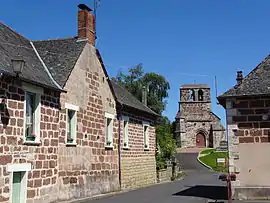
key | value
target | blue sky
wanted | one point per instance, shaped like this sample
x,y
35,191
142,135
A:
x,y
174,38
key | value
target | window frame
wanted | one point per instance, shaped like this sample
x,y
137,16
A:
x,y
74,137
125,132
25,167
37,91
146,142
109,137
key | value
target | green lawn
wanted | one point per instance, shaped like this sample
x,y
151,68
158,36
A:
x,y
207,151
211,159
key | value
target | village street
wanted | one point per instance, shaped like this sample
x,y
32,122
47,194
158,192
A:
x,y
198,186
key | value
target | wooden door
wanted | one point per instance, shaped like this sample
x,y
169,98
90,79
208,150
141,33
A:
x,y
200,140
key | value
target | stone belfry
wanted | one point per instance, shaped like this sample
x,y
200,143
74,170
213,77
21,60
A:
x,y
196,124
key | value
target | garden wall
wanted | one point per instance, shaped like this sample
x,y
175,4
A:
x,y
165,175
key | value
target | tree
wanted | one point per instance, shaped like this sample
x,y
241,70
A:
x,y
166,144
156,84
157,87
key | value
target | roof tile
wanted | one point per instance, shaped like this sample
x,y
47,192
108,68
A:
x,y
123,96
257,82
12,44
60,56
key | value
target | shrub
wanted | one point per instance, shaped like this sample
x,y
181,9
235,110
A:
x,y
166,144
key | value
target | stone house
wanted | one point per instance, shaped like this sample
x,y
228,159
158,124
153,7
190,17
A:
x,y
138,164
196,124
248,123
66,130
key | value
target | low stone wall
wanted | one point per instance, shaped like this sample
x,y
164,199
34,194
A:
x,y
165,175
251,193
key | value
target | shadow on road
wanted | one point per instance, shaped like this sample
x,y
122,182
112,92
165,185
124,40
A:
x,y
205,191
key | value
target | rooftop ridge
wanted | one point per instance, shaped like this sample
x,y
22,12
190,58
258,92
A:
x,y
56,39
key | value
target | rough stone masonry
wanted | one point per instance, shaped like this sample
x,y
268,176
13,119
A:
x,y
196,124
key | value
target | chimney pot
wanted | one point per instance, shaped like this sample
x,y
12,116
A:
x,y
239,77
86,24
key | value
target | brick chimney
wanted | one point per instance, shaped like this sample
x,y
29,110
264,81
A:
x,y
86,24
239,77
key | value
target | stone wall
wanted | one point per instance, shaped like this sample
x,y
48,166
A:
x,y
249,145
42,179
188,138
164,175
138,165
88,168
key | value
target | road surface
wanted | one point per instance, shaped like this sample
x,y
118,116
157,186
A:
x,y
198,186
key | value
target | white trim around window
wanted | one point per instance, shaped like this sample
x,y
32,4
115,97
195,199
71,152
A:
x,y
71,123
109,115
19,167
21,171
146,135
32,105
125,132
71,107
109,118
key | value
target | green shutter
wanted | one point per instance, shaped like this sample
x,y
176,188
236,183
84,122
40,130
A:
x,y
16,187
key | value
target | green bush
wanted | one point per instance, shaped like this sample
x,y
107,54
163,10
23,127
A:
x,y
166,145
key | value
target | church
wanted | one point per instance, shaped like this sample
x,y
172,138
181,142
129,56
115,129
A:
x,y
196,125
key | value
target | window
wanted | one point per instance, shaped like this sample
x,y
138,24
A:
x,y
191,95
32,113
71,128
109,130
146,135
18,176
125,132
200,95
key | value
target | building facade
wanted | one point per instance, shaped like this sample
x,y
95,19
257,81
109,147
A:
x,y
138,164
63,126
196,124
247,109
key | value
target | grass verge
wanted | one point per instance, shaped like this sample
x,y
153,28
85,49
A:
x,y
210,159
207,151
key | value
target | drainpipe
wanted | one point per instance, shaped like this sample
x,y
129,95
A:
x,y
119,144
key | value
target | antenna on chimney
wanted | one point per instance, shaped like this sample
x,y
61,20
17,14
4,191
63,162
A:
x,y
96,5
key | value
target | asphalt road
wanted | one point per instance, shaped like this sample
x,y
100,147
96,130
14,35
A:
x,y
198,186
